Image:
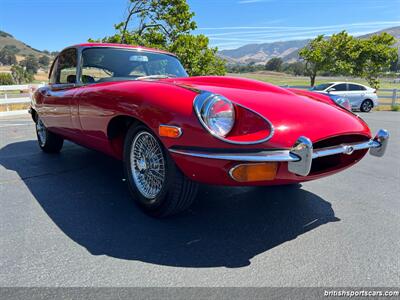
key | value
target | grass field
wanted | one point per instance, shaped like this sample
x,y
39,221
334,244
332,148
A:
x,y
283,79
286,79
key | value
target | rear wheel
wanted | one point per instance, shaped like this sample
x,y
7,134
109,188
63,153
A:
x,y
49,142
156,184
366,106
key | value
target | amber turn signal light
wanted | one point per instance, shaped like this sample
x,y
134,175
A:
x,y
254,172
169,131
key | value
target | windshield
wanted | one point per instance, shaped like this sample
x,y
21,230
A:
x,y
321,87
113,64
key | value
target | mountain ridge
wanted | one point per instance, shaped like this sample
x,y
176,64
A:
x,y
287,50
6,39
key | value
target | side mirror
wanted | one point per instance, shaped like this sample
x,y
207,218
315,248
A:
x,y
331,90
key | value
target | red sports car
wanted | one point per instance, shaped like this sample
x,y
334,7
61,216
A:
x,y
173,131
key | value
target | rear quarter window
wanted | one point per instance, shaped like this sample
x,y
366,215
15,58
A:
x,y
356,87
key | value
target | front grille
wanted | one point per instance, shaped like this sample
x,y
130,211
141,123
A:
x,y
337,161
341,139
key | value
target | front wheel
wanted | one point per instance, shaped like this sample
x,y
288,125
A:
x,y
49,142
366,106
156,184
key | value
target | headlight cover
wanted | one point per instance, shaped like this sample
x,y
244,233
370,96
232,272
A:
x,y
217,114
341,101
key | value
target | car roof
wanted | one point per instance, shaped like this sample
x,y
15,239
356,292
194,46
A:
x,y
339,82
115,45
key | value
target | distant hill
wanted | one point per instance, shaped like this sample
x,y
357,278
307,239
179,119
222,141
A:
x,y
22,49
287,50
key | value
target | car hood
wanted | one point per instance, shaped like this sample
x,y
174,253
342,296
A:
x,y
292,115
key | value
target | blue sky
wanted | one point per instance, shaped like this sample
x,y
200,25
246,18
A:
x,y
55,24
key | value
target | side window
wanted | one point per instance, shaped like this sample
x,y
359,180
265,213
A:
x,y
340,87
356,87
53,74
65,67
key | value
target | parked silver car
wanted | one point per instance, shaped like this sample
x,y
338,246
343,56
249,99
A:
x,y
361,97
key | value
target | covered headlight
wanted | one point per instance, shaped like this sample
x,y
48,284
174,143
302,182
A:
x,y
341,101
344,102
217,114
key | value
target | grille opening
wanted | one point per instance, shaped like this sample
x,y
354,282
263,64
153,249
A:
x,y
337,161
341,139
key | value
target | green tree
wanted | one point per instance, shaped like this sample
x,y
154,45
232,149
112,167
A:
x,y
343,52
31,64
297,68
395,65
196,56
167,25
7,57
274,64
374,56
21,75
44,61
316,57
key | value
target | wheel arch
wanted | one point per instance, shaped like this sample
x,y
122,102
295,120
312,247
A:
x,y
119,125
34,115
117,129
368,99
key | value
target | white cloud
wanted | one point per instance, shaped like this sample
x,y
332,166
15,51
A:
x,y
236,36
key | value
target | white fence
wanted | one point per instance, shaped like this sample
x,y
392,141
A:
x,y
8,93
25,91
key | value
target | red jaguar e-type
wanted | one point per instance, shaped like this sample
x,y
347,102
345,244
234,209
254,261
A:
x,y
173,131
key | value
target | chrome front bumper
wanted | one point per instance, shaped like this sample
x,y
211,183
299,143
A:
x,y
300,156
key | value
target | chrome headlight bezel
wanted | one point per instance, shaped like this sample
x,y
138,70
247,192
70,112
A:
x,y
217,126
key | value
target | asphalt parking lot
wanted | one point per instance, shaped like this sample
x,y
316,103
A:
x,y
67,220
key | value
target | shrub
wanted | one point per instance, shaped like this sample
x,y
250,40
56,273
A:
x,y
6,79
395,107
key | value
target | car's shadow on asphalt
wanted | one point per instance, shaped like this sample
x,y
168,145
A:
x,y
83,192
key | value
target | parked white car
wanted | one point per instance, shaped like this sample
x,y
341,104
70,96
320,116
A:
x,y
361,97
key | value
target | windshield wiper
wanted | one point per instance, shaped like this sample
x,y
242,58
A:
x,y
154,77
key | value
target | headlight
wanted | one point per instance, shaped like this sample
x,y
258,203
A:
x,y
217,114
343,102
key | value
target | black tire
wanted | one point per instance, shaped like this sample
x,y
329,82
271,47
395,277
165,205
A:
x,y
175,192
366,105
49,142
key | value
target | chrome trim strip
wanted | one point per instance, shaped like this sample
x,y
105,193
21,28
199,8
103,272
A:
x,y
345,148
198,103
300,157
262,156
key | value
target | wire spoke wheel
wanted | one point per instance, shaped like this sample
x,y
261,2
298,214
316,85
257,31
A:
x,y
41,132
147,165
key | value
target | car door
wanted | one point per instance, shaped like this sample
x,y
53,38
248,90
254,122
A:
x,y
57,96
339,89
356,94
